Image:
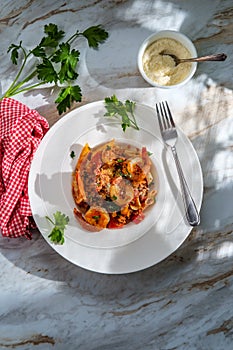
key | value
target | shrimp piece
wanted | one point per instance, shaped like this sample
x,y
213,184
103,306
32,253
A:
x,y
97,216
146,161
108,153
121,191
133,163
85,225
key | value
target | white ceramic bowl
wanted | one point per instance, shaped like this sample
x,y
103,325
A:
x,y
183,39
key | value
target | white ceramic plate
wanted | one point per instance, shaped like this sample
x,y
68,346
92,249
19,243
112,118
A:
x,y
112,251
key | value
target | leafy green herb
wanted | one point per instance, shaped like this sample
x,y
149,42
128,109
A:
x,y
72,154
114,197
14,52
67,96
55,62
46,71
116,108
59,223
127,175
53,36
95,36
149,153
96,217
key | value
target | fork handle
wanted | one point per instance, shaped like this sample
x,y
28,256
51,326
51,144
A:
x,y
190,207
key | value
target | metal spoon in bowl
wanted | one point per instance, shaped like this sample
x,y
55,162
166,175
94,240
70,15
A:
x,y
217,57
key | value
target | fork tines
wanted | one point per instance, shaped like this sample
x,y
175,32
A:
x,y
164,115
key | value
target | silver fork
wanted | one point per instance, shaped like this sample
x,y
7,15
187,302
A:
x,y
169,135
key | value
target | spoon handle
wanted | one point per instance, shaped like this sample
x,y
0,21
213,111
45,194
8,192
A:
x,y
217,57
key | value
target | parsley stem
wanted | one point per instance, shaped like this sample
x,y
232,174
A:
x,y
18,91
12,86
72,38
14,89
133,121
48,218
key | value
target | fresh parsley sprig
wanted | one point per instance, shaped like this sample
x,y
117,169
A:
x,y
125,111
55,62
59,223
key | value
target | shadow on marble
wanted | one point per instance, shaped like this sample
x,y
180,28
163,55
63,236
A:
x,y
37,258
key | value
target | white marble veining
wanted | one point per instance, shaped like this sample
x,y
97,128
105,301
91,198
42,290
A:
x,y
184,302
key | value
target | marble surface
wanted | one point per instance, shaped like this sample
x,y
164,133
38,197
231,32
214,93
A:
x,y
185,301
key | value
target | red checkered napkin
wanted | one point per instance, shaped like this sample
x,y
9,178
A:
x,y
21,130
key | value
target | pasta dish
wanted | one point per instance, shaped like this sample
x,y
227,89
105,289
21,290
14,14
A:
x,y
112,185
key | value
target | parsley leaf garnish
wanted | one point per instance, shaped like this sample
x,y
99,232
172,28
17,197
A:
x,y
55,62
38,51
95,35
53,35
59,223
67,96
46,72
116,108
68,60
72,154
15,52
